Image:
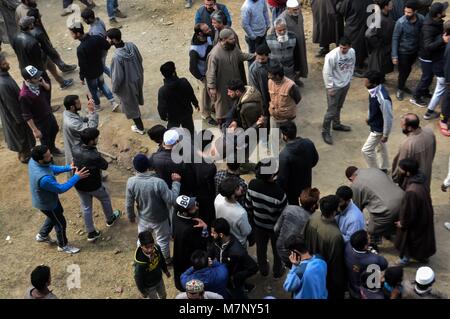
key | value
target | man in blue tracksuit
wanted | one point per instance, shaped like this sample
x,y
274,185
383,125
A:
x,y
44,194
307,277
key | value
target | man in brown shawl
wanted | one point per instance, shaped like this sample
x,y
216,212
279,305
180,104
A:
x,y
415,235
223,66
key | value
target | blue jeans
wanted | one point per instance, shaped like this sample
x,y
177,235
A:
x,y
55,219
99,84
276,12
111,7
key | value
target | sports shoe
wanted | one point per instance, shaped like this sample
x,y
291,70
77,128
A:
x,y
66,84
188,4
400,95
120,14
47,239
447,225
418,102
116,215
114,23
69,249
92,236
136,130
342,128
429,115
115,106
327,138
68,68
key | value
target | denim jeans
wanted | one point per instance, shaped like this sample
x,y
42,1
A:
x,y
55,218
439,92
99,84
111,7
86,206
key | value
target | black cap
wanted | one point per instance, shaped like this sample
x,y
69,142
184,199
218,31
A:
x,y
438,7
30,72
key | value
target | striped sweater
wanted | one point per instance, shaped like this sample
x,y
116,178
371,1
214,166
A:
x,y
266,200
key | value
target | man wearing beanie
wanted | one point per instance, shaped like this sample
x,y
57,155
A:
x,y
152,197
422,288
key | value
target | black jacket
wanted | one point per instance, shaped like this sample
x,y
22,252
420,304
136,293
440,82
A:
x,y
90,53
432,46
28,51
148,273
205,190
175,99
89,157
295,171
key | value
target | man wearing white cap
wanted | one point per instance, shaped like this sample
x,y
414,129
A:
x,y
195,289
421,288
294,22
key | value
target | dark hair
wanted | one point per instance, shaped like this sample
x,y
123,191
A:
x,y
382,3
413,123
198,28
345,41
40,277
37,152
393,275
262,49
167,69
34,12
156,133
87,14
275,68
70,100
350,171
115,34
374,77
199,259
89,134
411,4
297,243
344,192
235,85
77,28
205,138
329,205
221,226
234,166
146,238
409,165
259,167
309,198
228,186
359,240
289,129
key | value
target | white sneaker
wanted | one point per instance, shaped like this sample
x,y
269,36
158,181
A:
x,y
447,225
69,249
136,130
47,239
115,106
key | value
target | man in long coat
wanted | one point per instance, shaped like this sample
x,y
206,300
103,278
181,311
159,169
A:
x,y
18,135
294,21
355,15
8,12
223,66
327,24
415,236
419,144
127,78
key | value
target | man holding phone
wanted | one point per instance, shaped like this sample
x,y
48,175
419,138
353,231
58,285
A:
x,y
36,109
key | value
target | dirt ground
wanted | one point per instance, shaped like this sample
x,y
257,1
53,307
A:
x,y
162,31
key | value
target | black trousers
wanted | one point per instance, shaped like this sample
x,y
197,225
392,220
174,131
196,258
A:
x,y
49,128
55,219
262,237
423,87
187,123
405,63
138,123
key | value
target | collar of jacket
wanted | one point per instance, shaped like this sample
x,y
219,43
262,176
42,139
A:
x,y
171,79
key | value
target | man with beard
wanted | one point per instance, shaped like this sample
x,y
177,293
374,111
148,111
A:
x,y
224,65
337,75
18,136
201,45
415,236
350,218
127,78
356,16
255,22
44,195
420,144
258,76
379,40
189,234
74,123
203,14
327,24
284,49
405,45
294,22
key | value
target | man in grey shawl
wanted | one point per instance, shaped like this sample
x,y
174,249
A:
x,y
127,78
223,66
18,135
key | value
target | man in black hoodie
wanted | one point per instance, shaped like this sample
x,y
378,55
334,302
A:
x,y
175,99
297,159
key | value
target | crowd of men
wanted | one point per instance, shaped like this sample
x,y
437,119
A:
x,y
330,249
